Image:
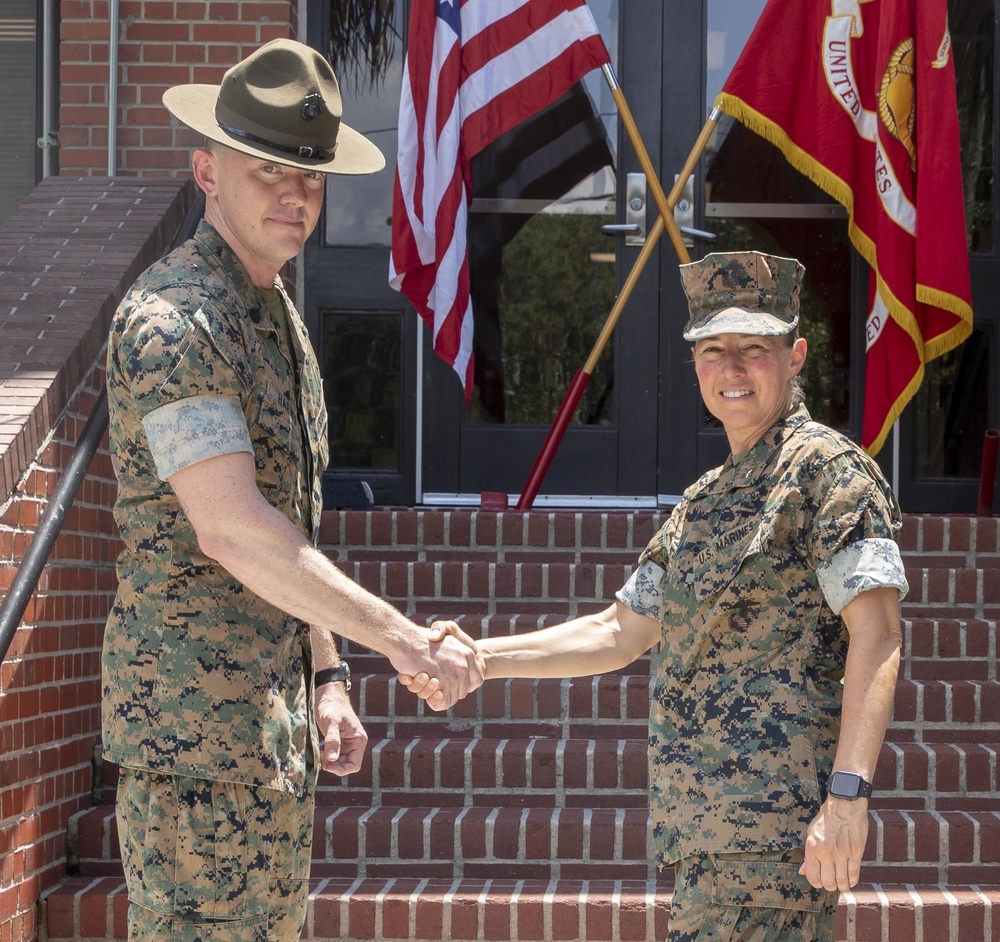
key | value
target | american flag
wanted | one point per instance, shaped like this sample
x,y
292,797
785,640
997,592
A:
x,y
474,70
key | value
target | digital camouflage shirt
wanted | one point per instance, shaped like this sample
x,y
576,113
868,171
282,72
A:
x,y
747,578
202,677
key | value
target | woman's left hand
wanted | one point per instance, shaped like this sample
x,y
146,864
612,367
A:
x,y
835,844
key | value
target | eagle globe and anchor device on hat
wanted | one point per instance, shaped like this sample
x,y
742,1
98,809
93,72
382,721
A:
x,y
281,103
741,293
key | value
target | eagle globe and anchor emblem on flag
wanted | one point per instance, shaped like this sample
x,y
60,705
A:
x,y
896,94
896,101
895,97
896,111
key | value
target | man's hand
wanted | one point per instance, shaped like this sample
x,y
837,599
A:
x,y
451,646
835,844
343,737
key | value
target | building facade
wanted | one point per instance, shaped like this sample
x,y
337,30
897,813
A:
x,y
87,76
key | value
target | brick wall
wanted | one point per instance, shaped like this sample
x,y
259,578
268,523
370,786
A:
x,y
50,679
66,258
161,43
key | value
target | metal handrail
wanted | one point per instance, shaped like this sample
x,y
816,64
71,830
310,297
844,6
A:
x,y
28,573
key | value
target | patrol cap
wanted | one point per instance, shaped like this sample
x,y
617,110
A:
x,y
282,103
742,293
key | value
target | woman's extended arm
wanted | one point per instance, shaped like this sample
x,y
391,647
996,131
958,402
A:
x,y
590,644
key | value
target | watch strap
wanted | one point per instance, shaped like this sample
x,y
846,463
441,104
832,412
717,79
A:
x,y
341,674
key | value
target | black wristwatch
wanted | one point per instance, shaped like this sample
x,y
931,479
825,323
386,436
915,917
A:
x,y
849,785
341,674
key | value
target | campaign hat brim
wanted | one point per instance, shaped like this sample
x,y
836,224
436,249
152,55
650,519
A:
x,y
194,106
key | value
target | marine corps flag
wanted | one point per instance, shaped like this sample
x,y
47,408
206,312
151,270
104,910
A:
x,y
859,95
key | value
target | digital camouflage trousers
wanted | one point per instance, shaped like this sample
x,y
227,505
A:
x,y
209,861
748,898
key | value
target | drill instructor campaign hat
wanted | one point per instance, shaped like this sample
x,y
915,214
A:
x,y
742,293
281,103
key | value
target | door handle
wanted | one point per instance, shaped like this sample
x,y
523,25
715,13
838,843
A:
x,y
634,227
703,234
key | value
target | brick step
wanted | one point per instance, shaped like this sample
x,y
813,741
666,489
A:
x,y
938,776
952,592
946,711
617,706
518,773
553,556
950,540
524,588
484,842
471,533
612,773
411,910
488,587
480,625
569,843
950,649
604,706
549,843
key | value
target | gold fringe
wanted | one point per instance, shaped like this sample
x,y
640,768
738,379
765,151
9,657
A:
x,y
896,410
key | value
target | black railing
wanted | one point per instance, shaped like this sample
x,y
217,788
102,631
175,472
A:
x,y
28,573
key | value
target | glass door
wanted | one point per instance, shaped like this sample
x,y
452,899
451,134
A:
x,y
365,334
749,197
546,262
544,274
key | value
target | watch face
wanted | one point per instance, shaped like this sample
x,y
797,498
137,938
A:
x,y
845,784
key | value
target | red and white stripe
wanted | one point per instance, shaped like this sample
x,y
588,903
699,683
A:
x,y
471,74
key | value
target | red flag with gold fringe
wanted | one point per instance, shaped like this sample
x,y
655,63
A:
x,y
859,95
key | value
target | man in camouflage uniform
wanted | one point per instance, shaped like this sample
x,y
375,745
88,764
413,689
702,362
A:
x,y
223,625
773,590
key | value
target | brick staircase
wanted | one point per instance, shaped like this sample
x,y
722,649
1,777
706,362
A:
x,y
521,814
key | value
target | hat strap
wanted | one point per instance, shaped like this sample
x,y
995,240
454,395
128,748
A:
x,y
314,153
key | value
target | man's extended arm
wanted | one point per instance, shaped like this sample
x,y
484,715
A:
x,y
258,545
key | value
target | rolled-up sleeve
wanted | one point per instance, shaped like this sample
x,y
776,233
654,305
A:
x,y
643,593
858,567
188,430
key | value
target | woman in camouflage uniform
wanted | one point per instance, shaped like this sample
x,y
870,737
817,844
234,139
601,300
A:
x,y
773,592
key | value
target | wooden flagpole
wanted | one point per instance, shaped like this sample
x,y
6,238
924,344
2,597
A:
x,y
665,220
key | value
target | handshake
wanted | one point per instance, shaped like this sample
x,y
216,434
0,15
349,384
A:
x,y
447,670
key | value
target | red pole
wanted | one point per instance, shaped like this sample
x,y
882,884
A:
x,y
664,221
552,440
988,472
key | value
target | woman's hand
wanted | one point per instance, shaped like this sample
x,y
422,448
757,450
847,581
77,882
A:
x,y
422,684
835,844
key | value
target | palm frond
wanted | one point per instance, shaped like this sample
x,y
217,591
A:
x,y
362,40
